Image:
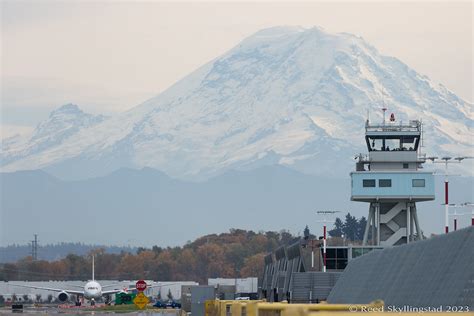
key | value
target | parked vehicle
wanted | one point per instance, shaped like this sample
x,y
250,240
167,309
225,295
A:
x,y
173,304
159,304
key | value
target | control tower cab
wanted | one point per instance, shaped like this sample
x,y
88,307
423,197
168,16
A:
x,y
391,179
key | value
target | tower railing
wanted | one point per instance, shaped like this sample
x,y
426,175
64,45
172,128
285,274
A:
x,y
412,126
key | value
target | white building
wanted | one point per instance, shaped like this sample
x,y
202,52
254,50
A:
x,y
246,285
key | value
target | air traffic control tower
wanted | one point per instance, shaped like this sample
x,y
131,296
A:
x,y
392,180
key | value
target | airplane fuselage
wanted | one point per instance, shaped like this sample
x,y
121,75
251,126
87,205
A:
x,y
92,290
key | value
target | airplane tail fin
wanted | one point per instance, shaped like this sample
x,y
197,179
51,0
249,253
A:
x,y
93,276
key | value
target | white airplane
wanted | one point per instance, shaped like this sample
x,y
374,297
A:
x,y
92,290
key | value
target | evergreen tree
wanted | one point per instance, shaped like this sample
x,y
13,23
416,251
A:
x,y
351,227
338,228
306,233
360,231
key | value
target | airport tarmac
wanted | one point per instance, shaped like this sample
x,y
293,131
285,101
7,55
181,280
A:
x,y
32,310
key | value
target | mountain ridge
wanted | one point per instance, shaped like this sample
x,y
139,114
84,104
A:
x,y
291,96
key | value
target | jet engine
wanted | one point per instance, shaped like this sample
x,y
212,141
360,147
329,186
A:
x,y
63,296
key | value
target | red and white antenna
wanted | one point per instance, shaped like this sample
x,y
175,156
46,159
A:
x,y
325,213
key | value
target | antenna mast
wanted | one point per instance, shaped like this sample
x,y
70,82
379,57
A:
x,y
34,248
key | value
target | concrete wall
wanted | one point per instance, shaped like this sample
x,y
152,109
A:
x,y
199,296
312,287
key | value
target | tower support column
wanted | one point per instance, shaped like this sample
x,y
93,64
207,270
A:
x,y
409,227
418,231
367,226
377,213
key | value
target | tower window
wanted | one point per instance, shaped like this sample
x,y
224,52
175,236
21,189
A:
x,y
418,183
368,183
405,166
385,183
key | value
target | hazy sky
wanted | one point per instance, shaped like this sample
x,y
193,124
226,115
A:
x,y
108,56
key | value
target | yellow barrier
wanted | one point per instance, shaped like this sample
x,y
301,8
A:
x,y
388,313
262,308
228,307
285,309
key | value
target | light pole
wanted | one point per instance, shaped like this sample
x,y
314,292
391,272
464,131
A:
x,y
324,214
445,161
312,254
455,214
471,205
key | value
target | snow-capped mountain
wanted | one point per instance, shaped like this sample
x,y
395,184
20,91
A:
x,y
61,124
285,95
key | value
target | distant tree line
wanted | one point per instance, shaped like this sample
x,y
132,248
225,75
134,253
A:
x,y
238,253
51,252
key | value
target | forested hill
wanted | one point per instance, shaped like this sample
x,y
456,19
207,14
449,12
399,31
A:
x,y
238,253
51,252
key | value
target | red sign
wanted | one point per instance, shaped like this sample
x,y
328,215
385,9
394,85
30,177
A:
x,y
140,285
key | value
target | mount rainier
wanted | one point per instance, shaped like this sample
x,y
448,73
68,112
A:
x,y
285,95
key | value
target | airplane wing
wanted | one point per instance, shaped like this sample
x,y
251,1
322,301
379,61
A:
x,y
50,289
75,285
115,291
111,285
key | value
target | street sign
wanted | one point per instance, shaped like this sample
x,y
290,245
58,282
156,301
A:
x,y
141,301
140,285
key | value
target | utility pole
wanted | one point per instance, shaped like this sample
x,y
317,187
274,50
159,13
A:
x,y
472,212
469,204
445,161
34,248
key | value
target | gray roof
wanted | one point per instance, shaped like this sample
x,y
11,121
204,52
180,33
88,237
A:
x,y
429,273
